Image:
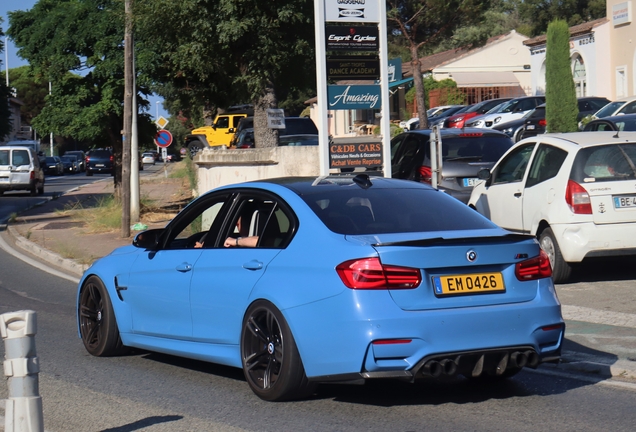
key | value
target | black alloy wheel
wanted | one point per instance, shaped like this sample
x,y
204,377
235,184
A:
x,y
98,327
271,363
194,148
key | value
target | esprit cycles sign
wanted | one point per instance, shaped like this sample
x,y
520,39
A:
x,y
352,38
352,11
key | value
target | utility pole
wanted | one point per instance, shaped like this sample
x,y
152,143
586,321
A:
x,y
51,140
134,151
127,138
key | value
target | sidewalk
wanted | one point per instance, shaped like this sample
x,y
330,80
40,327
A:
x,y
600,339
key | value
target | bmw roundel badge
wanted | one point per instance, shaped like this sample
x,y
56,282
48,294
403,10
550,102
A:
x,y
471,255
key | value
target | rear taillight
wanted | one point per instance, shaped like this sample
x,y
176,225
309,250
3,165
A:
x,y
32,175
426,174
543,122
112,158
534,268
577,198
369,274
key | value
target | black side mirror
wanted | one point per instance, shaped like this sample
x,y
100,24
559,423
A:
x,y
148,239
483,174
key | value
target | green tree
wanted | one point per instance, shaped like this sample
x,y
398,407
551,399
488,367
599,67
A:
x,y
561,107
31,92
77,45
541,12
424,24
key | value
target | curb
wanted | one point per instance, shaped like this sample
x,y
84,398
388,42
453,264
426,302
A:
x,y
602,367
68,265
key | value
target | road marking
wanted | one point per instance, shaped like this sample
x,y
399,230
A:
x,y
578,313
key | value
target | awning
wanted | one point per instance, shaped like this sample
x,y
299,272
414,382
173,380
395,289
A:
x,y
485,79
401,82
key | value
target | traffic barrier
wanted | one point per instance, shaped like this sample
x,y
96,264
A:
x,y
23,410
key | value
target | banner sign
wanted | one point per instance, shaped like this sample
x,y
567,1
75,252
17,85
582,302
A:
x,y
348,97
352,11
355,155
352,38
395,69
354,67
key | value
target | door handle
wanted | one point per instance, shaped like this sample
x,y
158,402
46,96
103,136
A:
x,y
253,265
184,267
517,194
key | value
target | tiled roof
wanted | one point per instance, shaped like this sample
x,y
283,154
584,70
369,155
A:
x,y
576,30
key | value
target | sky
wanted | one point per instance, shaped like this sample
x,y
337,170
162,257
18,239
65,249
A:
x,y
15,61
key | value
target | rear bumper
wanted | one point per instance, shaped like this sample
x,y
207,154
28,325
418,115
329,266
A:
x,y
588,240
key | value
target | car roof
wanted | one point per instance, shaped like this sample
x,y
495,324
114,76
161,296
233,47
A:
x,y
448,132
584,139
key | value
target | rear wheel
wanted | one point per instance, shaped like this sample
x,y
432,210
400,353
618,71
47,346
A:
x,y
98,326
194,147
41,189
561,270
271,363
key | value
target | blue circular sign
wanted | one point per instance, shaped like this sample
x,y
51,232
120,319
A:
x,y
163,138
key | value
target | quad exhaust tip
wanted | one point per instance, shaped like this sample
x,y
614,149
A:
x,y
449,366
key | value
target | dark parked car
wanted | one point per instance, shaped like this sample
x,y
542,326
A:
x,y
538,123
625,122
464,153
458,119
71,164
53,165
293,126
81,156
515,128
100,161
439,118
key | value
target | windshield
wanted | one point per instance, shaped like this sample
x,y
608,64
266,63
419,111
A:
x,y
497,108
609,109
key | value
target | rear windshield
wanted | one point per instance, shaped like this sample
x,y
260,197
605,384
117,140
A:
x,y
605,163
299,126
100,153
478,148
355,211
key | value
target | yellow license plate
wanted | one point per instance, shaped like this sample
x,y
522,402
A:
x,y
468,284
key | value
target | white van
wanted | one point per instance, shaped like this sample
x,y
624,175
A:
x,y
20,169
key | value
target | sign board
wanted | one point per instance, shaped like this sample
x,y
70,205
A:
x,y
276,118
163,138
352,11
622,13
352,38
354,67
348,97
355,155
395,69
162,122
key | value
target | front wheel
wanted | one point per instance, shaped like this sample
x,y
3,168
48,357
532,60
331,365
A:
x,y
98,326
561,270
271,362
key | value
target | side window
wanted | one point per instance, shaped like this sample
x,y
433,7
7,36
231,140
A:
x,y
630,108
236,120
222,123
396,146
200,225
513,166
260,222
546,164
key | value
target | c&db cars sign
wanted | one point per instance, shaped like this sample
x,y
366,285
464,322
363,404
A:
x,y
352,11
355,155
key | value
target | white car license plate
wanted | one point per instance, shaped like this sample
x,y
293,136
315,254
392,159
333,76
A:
x,y
625,201
470,181
99,165
530,127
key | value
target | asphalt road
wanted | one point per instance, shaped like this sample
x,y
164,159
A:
x,y
153,392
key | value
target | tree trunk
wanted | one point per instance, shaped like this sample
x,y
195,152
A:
x,y
263,135
420,93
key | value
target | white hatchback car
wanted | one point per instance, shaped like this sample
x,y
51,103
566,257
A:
x,y
576,192
512,110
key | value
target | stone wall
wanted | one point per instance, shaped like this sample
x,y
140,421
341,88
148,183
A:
x,y
220,167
